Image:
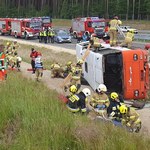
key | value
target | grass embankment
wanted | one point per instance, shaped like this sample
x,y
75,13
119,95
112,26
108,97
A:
x,y
32,118
49,56
138,24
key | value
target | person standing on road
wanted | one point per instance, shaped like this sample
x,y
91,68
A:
x,y
113,25
33,55
41,34
45,35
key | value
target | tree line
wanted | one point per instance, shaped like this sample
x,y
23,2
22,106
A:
x,y
68,9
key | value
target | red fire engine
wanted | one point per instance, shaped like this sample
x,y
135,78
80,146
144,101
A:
x,y
46,21
87,24
26,28
5,26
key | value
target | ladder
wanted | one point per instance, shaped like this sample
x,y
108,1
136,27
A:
x,y
120,31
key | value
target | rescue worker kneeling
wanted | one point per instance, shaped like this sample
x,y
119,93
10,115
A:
x,y
67,69
56,70
72,90
113,109
99,99
128,39
130,118
95,42
77,102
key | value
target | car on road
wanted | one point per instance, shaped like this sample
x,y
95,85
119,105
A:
x,y
61,36
128,28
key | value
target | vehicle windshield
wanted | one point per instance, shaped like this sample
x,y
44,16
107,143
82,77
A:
x,y
98,24
99,30
46,20
35,24
62,34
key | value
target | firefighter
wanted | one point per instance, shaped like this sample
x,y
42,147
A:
x,y
100,100
14,50
33,55
95,42
52,34
57,70
76,74
128,39
8,47
49,35
130,118
72,90
67,68
45,35
113,111
41,35
15,61
77,102
113,25
3,64
15,46
38,66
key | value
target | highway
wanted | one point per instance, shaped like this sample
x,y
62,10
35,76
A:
x,y
72,46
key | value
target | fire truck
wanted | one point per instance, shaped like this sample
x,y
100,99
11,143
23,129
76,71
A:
x,y
46,21
88,24
5,26
26,28
122,70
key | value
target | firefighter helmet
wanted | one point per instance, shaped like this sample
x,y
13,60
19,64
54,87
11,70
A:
x,y
19,59
69,63
73,89
86,92
123,109
8,43
101,88
114,95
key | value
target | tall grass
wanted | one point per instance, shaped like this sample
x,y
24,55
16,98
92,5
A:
x,y
32,118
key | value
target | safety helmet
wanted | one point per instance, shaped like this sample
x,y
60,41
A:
x,y
86,92
123,109
101,87
114,95
8,43
19,59
69,63
73,89
80,61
